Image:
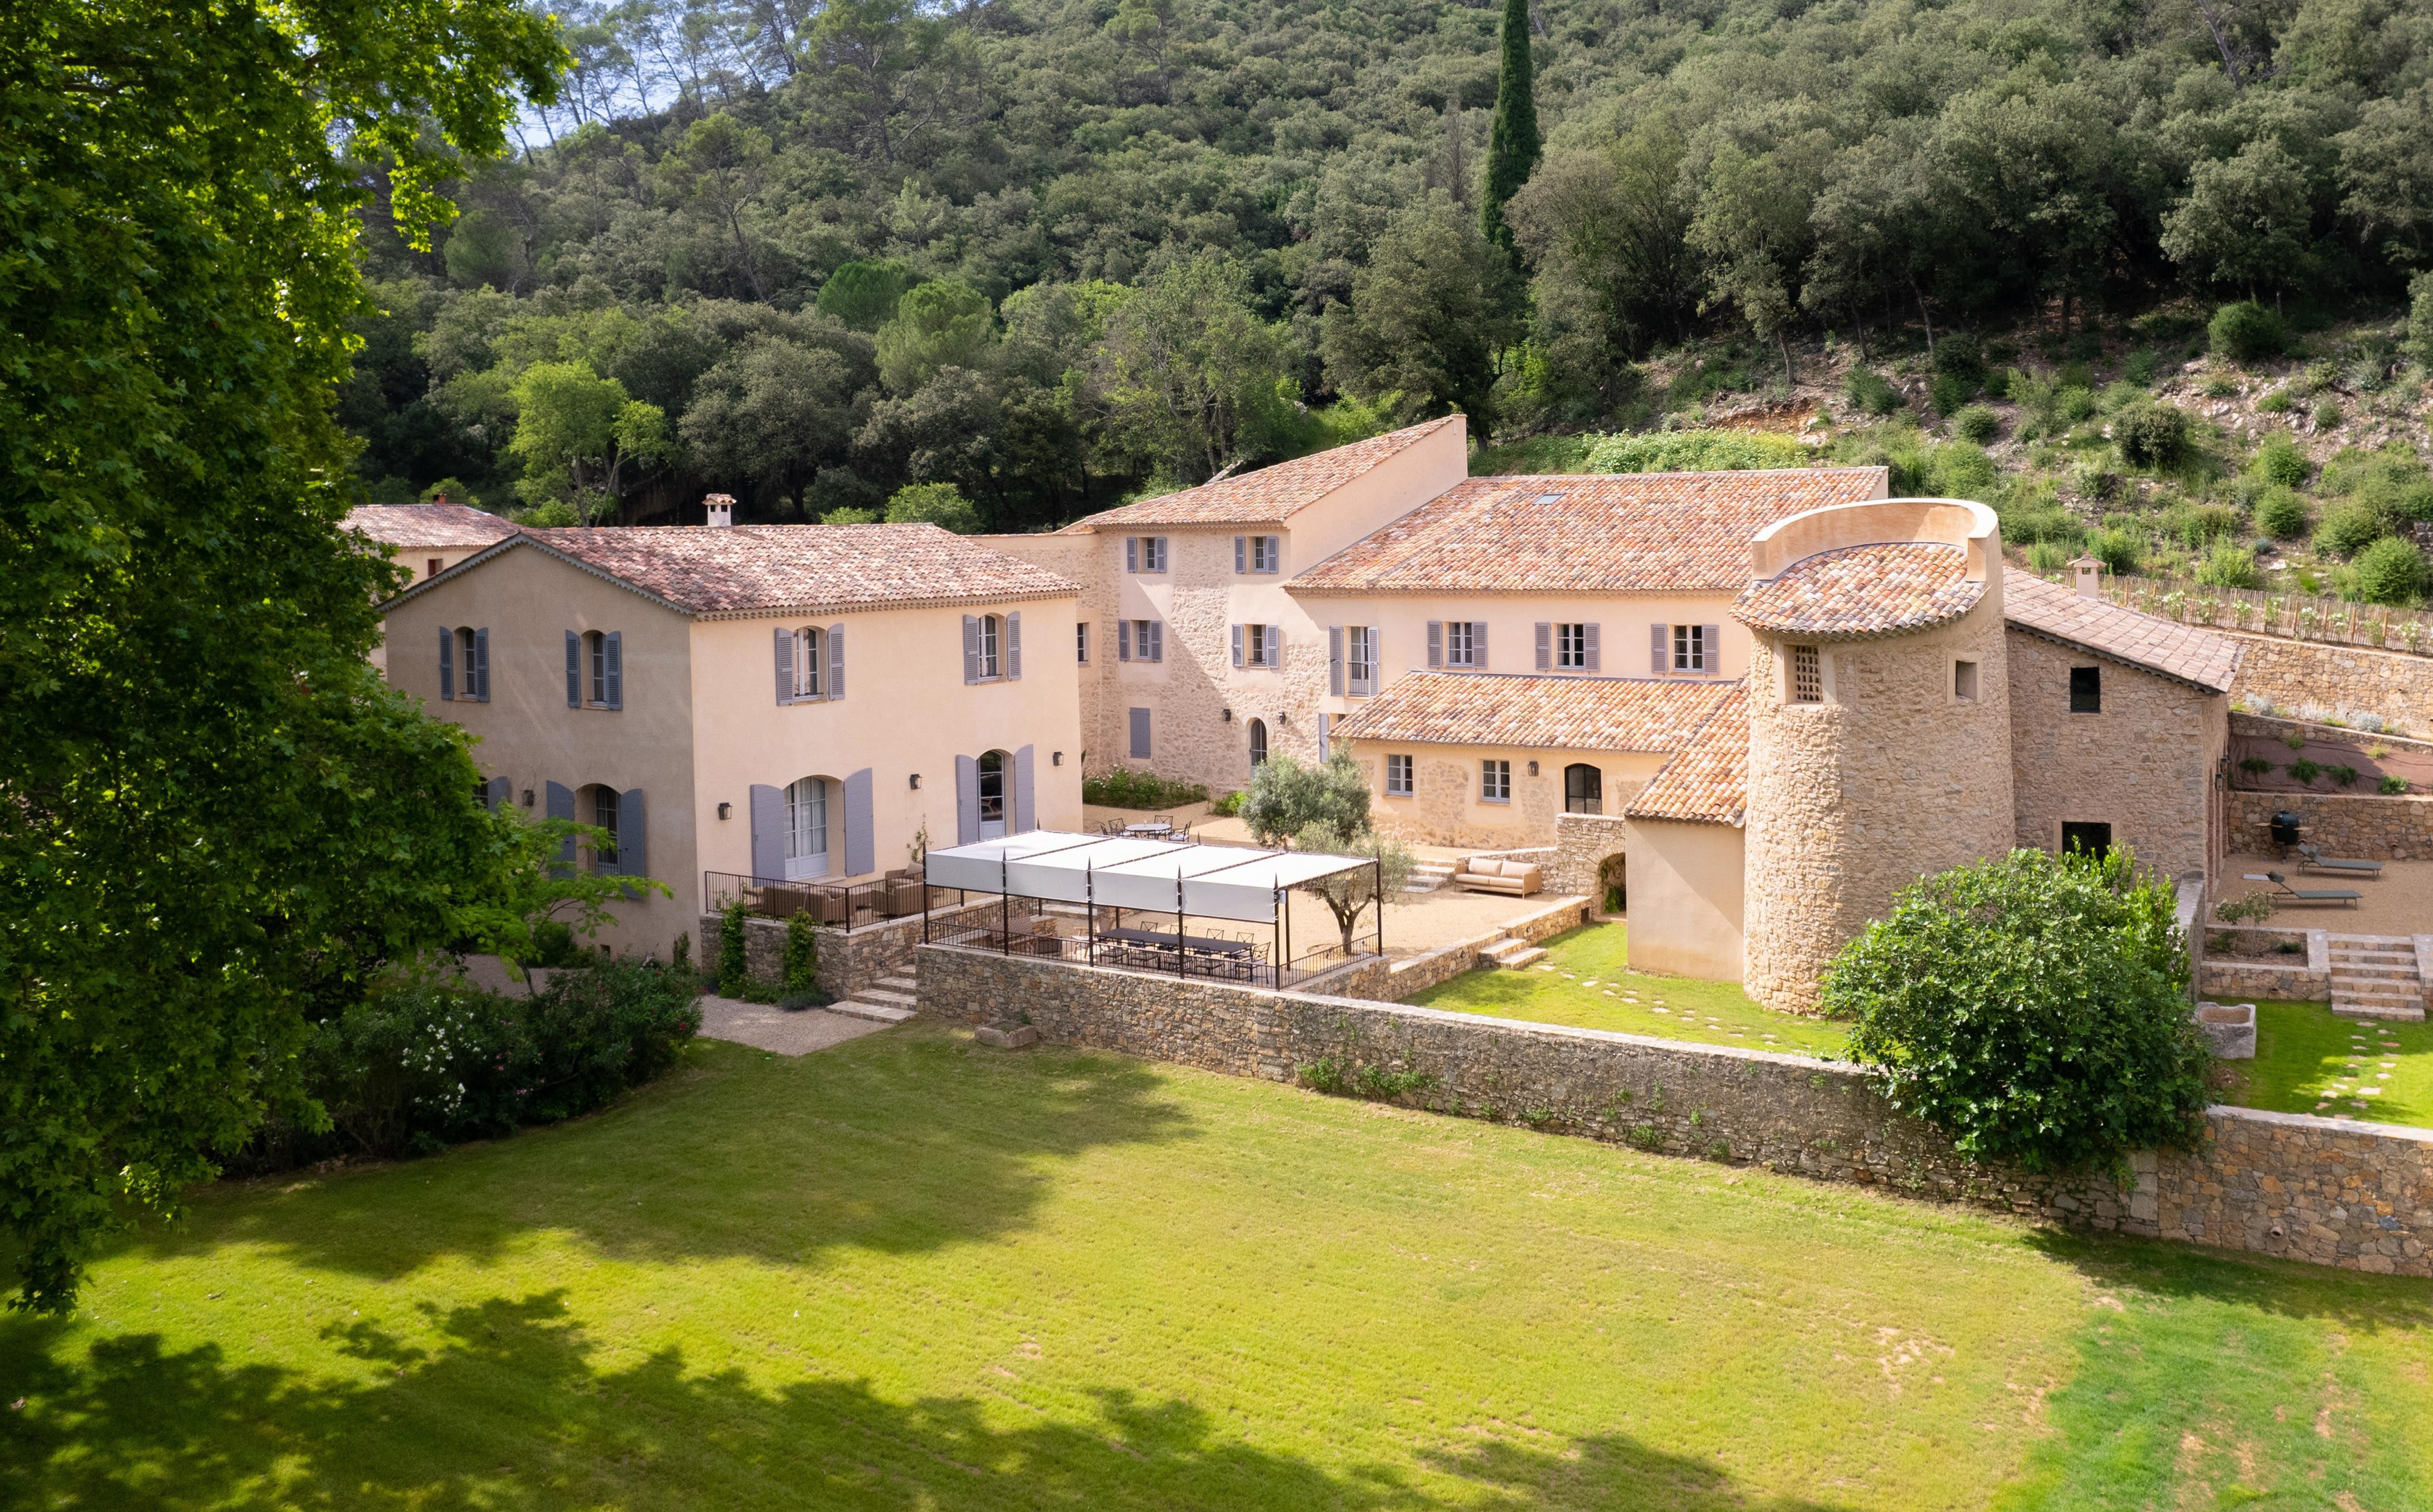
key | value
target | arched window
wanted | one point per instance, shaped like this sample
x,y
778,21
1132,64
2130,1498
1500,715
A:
x,y
992,648
1583,789
993,792
596,804
811,663
1258,743
807,829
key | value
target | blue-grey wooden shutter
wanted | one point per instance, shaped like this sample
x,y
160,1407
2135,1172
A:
x,y
1131,553
1335,659
613,645
785,665
1436,642
1478,644
574,669
447,663
1657,661
1014,647
836,662
1237,645
967,800
861,841
559,803
768,830
500,792
971,648
1155,629
1588,640
633,853
1545,647
1711,648
1123,640
1022,802
1240,551
1140,734
482,666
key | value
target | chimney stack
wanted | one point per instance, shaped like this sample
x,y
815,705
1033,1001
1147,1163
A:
x,y
722,509
2089,572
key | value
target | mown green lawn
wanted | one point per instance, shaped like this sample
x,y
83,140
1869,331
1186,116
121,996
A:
x,y
2310,1061
1586,981
912,1273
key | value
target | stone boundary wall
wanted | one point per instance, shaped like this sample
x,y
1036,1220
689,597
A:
x,y
1582,842
2365,825
2276,727
2306,978
2301,676
2327,1191
1417,973
850,960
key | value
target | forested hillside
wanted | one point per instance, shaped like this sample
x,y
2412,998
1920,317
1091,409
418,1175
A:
x,y
1053,252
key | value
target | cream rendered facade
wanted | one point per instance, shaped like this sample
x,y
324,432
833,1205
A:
x,y
1198,706
699,725
1687,886
1448,805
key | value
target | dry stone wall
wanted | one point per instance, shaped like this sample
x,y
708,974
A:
x,y
1582,842
2307,678
850,960
2361,825
2321,1190
2144,765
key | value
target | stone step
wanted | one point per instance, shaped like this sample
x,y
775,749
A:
x,y
1520,958
1510,952
2378,1007
2375,987
1433,868
889,997
907,983
880,1012
2372,958
2374,973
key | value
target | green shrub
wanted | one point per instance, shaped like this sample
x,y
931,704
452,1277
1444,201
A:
x,y
1287,796
2281,514
2118,547
2139,368
802,959
2278,459
1715,451
1976,422
933,503
2152,435
2254,766
1869,394
734,975
2247,331
2075,403
553,945
2390,571
2048,556
2276,402
1959,356
1948,392
1960,470
2392,786
2348,530
2255,905
2344,776
1228,806
1126,789
2230,565
2305,769
2327,414
2033,1008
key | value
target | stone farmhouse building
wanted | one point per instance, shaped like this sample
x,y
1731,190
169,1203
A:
x,y
789,701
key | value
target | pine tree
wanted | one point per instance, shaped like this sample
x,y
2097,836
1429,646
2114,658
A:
x,y
1513,144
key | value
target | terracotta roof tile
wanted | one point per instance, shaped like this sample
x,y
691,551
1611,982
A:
x,y
420,525
1862,590
741,569
1270,494
2185,653
1585,532
1525,709
1708,782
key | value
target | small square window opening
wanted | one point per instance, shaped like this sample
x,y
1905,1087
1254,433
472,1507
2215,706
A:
x,y
1807,676
1964,680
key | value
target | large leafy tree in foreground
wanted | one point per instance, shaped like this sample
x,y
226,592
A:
x,y
215,820
2033,1006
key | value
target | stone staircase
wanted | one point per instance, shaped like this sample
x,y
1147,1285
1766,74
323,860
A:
x,y
1426,876
1509,952
2375,977
890,1000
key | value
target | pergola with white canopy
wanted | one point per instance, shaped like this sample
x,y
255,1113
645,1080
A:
x,y
1153,876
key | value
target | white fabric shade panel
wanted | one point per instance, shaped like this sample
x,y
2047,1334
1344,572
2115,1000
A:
x,y
1209,881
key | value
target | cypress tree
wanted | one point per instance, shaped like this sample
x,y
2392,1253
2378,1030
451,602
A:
x,y
1513,144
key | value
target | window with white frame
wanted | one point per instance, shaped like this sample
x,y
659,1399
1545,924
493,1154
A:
x,y
1397,777
603,815
992,646
1690,652
1258,646
1360,660
1495,781
1145,554
1461,643
807,829
1266,552
1572,647
469,670
595,645
811,663
1140,640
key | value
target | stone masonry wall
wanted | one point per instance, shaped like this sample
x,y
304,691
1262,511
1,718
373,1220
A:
x,y
1582,842
2329,1192
2236,967
850,960
2364,826
2301,676
2145,765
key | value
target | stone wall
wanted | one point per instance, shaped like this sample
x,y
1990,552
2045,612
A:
x,y
2331,1192
2308,677
2363,825
1416,974
850,960
2238,966
2145,765
1582,842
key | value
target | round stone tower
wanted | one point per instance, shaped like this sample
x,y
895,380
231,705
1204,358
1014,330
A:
x,y
1880,732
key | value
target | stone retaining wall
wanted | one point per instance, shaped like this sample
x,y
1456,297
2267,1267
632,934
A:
x,y
1417,973
850,960
2330,1191
2302,675
2363,825
2297,977
1582,842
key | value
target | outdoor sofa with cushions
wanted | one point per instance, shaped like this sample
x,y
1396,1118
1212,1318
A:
x,y
1494,874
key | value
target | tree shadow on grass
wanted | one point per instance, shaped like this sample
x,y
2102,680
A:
x,y
899,1143
510,1410
2268,1286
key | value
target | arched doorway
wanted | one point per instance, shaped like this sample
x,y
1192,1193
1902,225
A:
x,y
806,829
992,767
1258,743
1583,789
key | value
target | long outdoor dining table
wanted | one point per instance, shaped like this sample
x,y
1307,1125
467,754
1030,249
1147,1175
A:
x,y
1205,944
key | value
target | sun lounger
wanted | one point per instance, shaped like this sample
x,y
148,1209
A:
x,y
2312,859
2310,895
